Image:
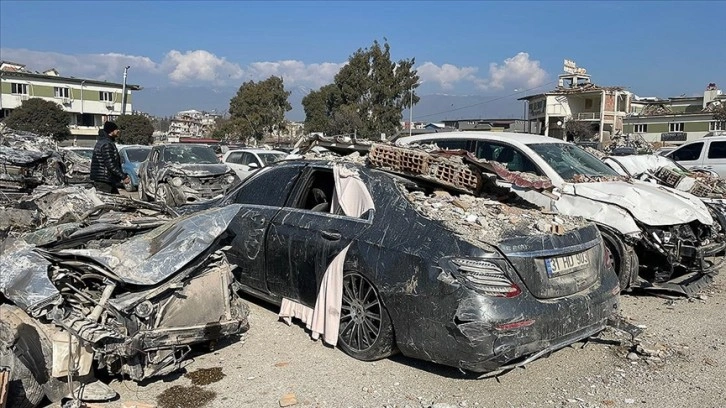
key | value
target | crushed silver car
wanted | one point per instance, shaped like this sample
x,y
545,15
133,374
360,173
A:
x,y
133,308
180,174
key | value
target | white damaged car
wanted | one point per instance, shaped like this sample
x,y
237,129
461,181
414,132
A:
x,y
660,238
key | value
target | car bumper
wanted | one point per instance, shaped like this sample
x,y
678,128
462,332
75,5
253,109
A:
x,y
488,347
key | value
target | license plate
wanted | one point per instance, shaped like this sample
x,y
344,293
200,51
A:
x,y
565,264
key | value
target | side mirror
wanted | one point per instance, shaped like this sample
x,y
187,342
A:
x,y
253,165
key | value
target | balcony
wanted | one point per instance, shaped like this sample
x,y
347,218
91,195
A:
x,y
588,116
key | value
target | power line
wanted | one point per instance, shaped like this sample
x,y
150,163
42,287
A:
x,y
485,102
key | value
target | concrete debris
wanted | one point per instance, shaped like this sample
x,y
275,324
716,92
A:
x,y
78,168
628,144
594,152
288,400
354,157
480,219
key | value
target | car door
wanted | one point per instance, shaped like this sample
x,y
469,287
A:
x,y
715,159
688,155
305,237
263,196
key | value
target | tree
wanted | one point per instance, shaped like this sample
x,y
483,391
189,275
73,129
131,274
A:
x,y
41,117
719,112
135,129
578,131
370,90
259,108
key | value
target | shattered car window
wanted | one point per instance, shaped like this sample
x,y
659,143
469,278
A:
x,y
137,155
190,154
569,160
269,158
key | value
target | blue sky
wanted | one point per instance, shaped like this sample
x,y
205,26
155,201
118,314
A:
x,y
461,48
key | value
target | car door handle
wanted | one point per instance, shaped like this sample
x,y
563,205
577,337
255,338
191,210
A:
x,y
331,235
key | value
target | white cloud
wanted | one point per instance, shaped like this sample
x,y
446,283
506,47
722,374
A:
x,y
296,72
200,65
516,71
108,67
446,75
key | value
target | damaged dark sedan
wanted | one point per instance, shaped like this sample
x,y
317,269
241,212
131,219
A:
x,y
74,301
178,174
374,262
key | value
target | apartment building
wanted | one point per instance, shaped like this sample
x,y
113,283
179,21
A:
x,y
90,102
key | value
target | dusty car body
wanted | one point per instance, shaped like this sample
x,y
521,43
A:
x,y
74,302
245,161
27,161
454,279
180,174
657,169
78,164
131,158
707,153
676,241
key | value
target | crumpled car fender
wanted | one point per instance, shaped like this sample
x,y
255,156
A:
x,y
597,211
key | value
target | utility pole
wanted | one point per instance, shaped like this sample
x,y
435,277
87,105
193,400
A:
x,y
123,90
410,114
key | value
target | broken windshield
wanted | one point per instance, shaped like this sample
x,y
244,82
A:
x,y
570,160
190,154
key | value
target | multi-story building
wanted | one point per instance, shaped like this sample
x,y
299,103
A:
x,y
678,119
192,123
90,102
576,98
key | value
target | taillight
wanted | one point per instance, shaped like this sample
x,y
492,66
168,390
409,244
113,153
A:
x,y
486,277
607,257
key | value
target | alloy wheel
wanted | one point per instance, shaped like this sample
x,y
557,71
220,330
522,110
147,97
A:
x,y
361,313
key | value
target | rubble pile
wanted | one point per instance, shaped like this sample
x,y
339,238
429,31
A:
x,y
581,178
631,142
697,183
354,157
485,220
448,171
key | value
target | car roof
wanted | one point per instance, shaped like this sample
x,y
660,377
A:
x,y
523,138
255,150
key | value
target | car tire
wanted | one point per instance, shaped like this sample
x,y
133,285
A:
x,y
624,258
164,194
24,391
366,332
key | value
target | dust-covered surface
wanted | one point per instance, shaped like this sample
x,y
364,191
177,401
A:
x,y
205,376
274,359
486,220
185,397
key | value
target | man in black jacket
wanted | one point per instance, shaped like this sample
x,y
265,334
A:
x,y
105,163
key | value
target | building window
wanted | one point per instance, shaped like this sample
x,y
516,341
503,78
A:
x,y
641,128
716,125
675,127
19,89
62,92
105,96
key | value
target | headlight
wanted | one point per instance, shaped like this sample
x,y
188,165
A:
x,y
229,179
177,181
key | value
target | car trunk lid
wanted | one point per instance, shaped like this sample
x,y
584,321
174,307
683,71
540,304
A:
x,y
553,266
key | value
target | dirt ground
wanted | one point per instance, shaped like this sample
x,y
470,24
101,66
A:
x,y
275,365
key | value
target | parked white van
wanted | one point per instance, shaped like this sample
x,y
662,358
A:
x,y
707,153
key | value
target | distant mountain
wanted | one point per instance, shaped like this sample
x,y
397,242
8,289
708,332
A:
x,y
166,101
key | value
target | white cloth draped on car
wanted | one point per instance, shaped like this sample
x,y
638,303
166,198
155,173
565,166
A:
x,y
352,196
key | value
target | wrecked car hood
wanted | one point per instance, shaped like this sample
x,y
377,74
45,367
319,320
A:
x,y
650,204
198,170
151,258
639,164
